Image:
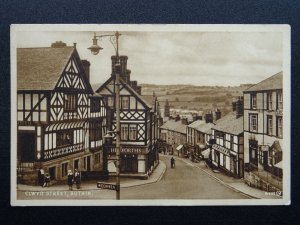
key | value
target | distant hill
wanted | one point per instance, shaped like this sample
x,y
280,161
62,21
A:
x,y
202,98
193,97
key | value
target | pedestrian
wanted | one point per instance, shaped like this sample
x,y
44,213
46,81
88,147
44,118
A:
x,y
47,180
70,179
77,178
172,162
41,177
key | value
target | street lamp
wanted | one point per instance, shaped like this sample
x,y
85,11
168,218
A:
x,y
95,48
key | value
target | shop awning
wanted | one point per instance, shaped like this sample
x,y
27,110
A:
x,y
276,146
278,165
205,153
201,146
179,147
65,125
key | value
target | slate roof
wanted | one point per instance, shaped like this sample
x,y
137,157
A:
x,y
271,83
205,128
196,123
40,68
176,126
230,124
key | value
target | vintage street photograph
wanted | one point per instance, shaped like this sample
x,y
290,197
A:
x,y
150,114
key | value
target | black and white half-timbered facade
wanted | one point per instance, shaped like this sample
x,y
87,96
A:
x,y
60,120
138,125
227,152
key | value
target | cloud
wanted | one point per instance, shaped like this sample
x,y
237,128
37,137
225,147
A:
x,y
203,58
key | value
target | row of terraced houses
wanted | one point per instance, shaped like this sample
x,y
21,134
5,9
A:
x,y
246,143
61,120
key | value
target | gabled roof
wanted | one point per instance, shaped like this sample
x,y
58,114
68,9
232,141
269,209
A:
x,y
272,83
40,68
205,128
176,126
196,123
130,89
230,124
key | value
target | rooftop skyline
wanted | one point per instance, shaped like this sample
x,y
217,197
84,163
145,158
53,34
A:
x,y
198,58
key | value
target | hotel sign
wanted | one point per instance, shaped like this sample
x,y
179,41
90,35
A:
x,y
128,150
221,149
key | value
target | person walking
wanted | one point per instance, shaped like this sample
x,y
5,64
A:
x,y
47,180
77,178
70,179
41,177
172,162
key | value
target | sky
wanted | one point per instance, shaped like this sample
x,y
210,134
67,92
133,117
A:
x,y
173,57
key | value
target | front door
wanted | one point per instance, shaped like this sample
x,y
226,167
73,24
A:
x,y
129,163
26,146
52,173
88,163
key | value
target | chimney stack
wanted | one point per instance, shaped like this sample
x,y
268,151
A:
x,y
209,118
124,73
58,44
218,114
240,107
86,66
184,121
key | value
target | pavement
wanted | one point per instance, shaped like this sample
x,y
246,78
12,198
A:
x,y
235,184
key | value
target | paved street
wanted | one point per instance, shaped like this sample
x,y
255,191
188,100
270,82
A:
x,y
185,181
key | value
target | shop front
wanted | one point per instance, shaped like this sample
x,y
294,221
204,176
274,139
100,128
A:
x,y
134,161
226,160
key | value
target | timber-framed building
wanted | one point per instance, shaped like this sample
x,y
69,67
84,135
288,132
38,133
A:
x,y
139,123
60,119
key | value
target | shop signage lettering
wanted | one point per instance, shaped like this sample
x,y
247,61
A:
x,y
221,149
127,150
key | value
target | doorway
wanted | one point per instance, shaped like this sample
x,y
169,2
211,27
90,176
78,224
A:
x,y
129,163
26,146
76,164
52,173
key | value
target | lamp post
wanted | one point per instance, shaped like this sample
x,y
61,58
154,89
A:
x,y
95,49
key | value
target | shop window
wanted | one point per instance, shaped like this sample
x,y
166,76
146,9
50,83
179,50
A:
x,y
64,169
64,138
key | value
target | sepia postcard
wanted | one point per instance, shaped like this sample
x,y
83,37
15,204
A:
x,y
150,115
